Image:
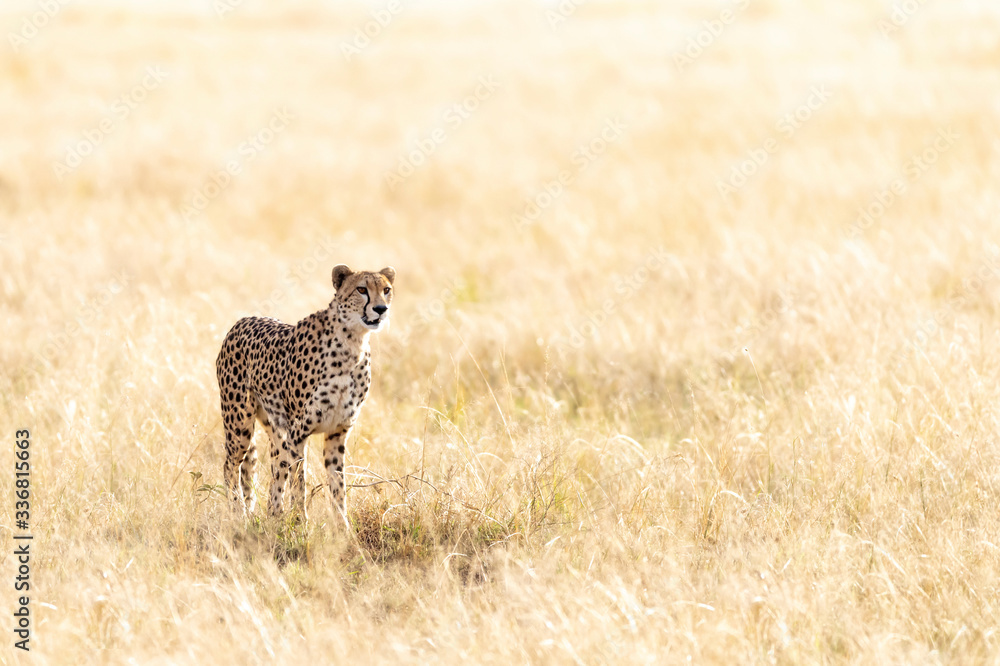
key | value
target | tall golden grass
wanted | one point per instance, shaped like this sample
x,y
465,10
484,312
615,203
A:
x,y
633,407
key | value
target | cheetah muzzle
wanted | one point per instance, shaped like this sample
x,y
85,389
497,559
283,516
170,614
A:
x,y
296,381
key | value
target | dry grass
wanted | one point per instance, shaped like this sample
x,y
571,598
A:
x,y
635,489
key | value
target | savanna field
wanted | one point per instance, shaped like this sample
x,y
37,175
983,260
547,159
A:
x,y
694,352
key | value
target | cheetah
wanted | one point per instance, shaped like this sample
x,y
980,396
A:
x,y
300,380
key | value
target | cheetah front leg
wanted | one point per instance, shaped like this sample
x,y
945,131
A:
x,y
298,490
281,466
334,453
248,472
288,460
274,440
240,457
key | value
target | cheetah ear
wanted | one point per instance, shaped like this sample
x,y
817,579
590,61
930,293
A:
x,y
340,273
389,272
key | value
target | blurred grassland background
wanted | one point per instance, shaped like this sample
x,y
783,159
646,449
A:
x,y
598,473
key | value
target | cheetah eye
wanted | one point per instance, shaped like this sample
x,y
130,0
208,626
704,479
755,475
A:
x,y
386,291
362,291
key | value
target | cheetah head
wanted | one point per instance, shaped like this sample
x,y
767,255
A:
x,y
363,296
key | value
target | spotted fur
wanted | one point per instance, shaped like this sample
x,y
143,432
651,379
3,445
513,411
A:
x,y
300,380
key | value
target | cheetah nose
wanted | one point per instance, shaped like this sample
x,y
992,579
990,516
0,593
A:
x,y
379,309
